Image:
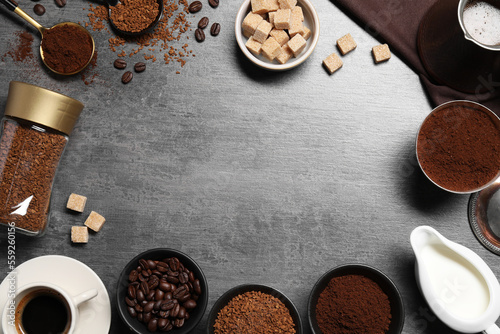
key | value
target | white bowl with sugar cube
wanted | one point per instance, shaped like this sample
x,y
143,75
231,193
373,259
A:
x,y
277,35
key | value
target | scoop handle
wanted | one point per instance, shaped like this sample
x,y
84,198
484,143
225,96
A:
x,y
10,4
493,329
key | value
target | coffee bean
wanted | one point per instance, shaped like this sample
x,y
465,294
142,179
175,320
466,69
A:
x,y
140,295
191,277
203,22
168,296
189,304
172,279
199,35
140,67
175,311
167,305
146,317
145,287
197,286
164,286
132,312
131,291
151,295
60,3
215,29
149,307
39,9
144,264
213,3
182,313
183,277
173,263
164,314
126,78
159,294
195,6
180,291
140,317
162,324
178,322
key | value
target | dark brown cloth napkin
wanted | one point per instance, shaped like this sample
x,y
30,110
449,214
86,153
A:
x,y
396,22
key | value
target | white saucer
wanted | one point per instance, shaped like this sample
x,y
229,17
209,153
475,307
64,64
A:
x,y
73,276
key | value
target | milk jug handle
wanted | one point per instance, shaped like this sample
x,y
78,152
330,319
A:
x,y
493,329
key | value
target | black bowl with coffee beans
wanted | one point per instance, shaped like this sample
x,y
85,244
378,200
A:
x,y
162,290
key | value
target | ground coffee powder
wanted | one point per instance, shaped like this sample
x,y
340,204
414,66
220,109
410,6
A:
x,y
29,156
353,304
458,146
254,312
66,48
134,15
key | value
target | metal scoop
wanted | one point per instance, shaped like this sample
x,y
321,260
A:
x,y
12,5
458,285
149,28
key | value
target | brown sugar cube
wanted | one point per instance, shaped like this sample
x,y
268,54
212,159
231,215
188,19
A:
x,y
76,202
79,234
307,33
95,221
271,48
247,34
282,19
262,31
270,16
346,44
381,53
296,26
332,63
297,12
272,5
253,46
285,55
287,4
297,44
259,6
280,36
251,22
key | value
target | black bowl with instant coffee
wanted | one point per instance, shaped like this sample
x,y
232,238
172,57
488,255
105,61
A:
x,y
162,290
355,298
253,308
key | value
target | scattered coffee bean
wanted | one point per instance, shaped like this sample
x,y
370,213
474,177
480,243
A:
x,y
213,3
121,64
199,35
203,23
39,9
215,29
195,6
126,78
60,3
140,67
158,304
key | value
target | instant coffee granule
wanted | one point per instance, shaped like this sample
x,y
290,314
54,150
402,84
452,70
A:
x,y
164,39
353,304
29,156
254,312
134,15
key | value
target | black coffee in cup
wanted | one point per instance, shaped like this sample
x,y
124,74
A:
x,y
43,311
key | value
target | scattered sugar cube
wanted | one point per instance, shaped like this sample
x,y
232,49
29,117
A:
x,y
79,234
76,202
251,22
259,6
307,33
272,5
282,19
287,4
271,48
296,26
285,55
346,44
95,221
262,31
332,63
297,12
381,53
297,44
280,36
254,46
270,17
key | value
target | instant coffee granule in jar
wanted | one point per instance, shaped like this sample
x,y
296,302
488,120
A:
x,y
34,133
254,312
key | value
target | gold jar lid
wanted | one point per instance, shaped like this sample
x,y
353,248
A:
x,y
42,106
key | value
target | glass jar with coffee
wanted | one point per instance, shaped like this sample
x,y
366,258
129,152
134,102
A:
x,y
34,132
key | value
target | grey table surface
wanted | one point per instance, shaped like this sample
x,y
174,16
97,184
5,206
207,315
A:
x,y
261,177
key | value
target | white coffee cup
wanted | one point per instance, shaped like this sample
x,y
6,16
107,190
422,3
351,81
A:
x,y
11,325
